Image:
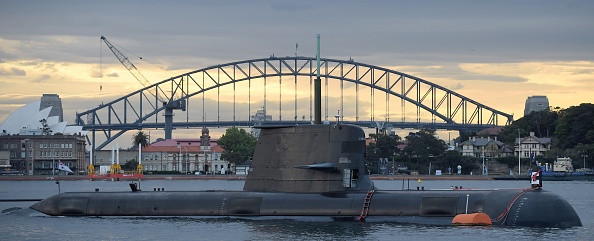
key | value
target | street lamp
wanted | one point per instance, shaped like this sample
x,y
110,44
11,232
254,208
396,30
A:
x,y
26,159
519,151
187,158
483,167
186,168
205,163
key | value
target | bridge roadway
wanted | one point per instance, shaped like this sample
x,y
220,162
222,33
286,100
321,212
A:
x,y
219,124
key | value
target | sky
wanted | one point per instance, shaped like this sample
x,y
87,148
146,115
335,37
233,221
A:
x,y
495,52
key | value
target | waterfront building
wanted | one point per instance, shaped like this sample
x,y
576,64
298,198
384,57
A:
x,y
484,147
532,145
37,140
186,155
5,161
41,154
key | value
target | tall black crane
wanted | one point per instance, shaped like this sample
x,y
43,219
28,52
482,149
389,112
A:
x,y
168,103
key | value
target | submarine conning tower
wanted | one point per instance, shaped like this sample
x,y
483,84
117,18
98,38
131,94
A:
x,y
309,159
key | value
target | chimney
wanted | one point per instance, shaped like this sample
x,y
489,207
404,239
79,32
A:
x,y
532,133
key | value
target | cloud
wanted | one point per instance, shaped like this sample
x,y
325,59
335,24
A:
x,y
456,72
582,71
434,43
457,86
12,72
41,79
292,6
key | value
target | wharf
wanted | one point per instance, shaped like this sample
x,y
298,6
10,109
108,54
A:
x,y
237,177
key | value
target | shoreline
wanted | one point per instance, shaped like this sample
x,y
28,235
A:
x,y
237,177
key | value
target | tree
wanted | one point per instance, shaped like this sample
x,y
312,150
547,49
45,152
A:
x,y
130,165
575,125
542,123
385,146
424,143
238,145
140,138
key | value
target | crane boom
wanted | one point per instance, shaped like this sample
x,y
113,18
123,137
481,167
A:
x,y
132,68
169,105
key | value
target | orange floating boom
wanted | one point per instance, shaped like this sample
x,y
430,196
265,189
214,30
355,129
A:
x,y
472,219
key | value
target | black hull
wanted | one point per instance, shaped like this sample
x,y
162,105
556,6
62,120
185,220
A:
x,y
526,207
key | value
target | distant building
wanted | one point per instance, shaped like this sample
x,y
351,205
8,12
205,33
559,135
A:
x,y
103,157
186,155
532,144
491,131
54,101
536,103
40,154
261,116
37,139
258,118
5,160
484,147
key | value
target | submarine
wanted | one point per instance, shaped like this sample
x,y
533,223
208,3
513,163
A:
x,y
318,172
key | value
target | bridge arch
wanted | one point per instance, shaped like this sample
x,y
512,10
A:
x,y
135,110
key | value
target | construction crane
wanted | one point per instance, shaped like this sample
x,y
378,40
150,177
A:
x,y
168,103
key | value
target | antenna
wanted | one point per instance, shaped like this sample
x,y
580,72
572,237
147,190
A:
x,y
318,91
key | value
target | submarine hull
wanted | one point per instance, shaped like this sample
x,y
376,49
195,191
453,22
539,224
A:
x,y
509,207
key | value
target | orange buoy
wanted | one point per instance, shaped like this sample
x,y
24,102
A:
x,y
472,219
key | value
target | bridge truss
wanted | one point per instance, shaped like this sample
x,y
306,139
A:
x,y
358,93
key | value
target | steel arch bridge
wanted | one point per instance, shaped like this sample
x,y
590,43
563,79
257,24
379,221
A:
x,y
447,109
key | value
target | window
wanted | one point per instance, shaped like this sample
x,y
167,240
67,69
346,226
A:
x,y
62,145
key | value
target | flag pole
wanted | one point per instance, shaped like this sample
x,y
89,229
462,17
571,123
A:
x,y
58,181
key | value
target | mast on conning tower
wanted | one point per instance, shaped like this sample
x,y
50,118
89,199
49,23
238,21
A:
x,y
318,91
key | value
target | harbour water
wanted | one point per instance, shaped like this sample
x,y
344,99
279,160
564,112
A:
x,y
18,222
